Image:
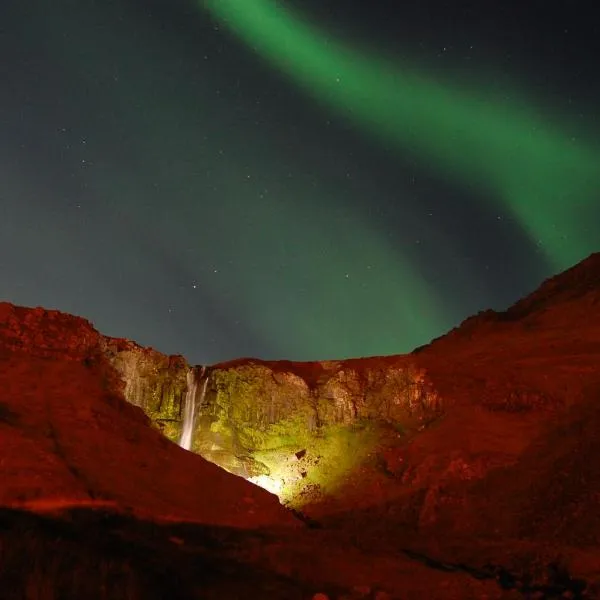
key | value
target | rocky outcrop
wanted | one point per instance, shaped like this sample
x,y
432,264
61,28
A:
x,y
477,451
148,379
254,418
47,333
69,440
259,417
155,382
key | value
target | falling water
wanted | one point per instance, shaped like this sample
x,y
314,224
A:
x,y
189,407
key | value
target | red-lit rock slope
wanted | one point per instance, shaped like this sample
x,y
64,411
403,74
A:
x,y
67,436
503,484
510,473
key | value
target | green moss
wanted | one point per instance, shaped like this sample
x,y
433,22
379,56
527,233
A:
x,y
342,449
248,402
271,420
333,454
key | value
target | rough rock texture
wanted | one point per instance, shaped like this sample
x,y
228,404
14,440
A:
x,y
68,437
253,417
47,333
155,382
467,469
306,425
511,463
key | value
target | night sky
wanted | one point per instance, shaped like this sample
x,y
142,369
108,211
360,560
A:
x,y
300,179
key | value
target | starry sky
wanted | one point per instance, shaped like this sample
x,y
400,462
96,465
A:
x,y
299,179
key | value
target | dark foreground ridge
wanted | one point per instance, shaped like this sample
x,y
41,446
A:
x,y
558,583
98,554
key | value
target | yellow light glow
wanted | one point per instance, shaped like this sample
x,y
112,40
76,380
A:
x,y
275,486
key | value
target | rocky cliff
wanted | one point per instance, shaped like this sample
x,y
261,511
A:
x,y
68,437
291,427
288,426
477,451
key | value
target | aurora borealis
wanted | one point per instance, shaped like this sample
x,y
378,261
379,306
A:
x,y
226,178
508,152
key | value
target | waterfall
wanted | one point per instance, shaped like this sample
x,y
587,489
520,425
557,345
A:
x,y
189,406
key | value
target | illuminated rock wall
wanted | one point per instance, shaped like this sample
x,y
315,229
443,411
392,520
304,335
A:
x,y
153,381
285,425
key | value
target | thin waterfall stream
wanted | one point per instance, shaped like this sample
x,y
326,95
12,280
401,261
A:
x,y
189,406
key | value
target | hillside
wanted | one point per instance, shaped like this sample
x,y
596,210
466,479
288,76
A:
x,y
467,469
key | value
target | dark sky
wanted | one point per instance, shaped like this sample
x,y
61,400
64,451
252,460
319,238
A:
x,y
299,179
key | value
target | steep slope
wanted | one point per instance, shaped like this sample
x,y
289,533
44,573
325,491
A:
x,y
467,469
68,437
509,475
97,504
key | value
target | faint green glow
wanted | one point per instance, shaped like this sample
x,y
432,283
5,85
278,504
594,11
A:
x,y
505,150
296,269
293,268
330,287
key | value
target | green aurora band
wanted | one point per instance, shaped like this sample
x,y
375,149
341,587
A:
x,y
317,294
547,178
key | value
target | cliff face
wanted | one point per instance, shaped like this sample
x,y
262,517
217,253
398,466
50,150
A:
x,y
288,426
68,437
148,379
298,429
153,381
479,449
47,333
301,426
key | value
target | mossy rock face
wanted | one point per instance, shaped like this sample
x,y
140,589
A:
x,y
277,425
154,382
300,425
244,410
320,461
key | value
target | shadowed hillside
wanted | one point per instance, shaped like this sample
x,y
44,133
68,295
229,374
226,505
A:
x,y
470,467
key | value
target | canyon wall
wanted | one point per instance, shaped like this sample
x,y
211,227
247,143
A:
x,y
288,426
